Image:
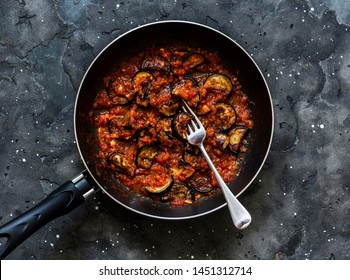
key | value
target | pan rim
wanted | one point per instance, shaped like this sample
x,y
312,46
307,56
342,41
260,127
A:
x,y
88,168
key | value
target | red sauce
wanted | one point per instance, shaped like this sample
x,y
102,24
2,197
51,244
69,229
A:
x,y
139,136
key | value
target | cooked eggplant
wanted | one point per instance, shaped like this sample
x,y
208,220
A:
x,y
166,103
146,156
236,136
121,116
180,124
202,109
179,194
201,184
139,117
200,77
181,172
165,133
121,90
221,140
169,108
195,160
194,60
121,163
163,184
218,82
187,89
156,63
120,131
142,82
224,116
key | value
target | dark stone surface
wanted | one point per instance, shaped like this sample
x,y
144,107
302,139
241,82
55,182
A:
x,y
299,202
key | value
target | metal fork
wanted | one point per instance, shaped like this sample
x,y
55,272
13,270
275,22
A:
x,y
195,136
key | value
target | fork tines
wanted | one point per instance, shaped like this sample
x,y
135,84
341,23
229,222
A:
x,y
195,124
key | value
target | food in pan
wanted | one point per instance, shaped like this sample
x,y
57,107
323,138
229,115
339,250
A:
x,y
141,127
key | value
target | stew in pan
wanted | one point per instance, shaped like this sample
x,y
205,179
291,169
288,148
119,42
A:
x,y
141,129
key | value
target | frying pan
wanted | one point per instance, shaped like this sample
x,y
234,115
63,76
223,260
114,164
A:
x,y
74,192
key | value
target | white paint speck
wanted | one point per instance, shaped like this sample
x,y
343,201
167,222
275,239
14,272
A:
x,y
322,126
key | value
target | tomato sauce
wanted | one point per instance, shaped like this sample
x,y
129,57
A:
x,y
141,127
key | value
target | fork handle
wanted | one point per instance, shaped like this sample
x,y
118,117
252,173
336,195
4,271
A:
x,y
240,216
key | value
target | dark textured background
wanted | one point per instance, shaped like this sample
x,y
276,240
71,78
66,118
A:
x,y
299,202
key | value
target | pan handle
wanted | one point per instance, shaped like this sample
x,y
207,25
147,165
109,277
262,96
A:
x,y
59,202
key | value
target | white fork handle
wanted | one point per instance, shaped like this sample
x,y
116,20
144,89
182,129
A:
x,y
240,216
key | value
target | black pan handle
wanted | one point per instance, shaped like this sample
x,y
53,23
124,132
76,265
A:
x,y
59,202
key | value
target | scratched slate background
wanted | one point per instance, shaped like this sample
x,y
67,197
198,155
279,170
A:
x,y
299,202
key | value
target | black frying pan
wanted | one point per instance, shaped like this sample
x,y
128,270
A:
x,y
73,193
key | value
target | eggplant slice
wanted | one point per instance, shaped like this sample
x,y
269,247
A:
x,y
163,184
119,126
201,183
200,77
196,161
146,156
224,116
180,124
181,172
218,82
156,63
166,104
121,163
221,140
187,89
179,194
165,133
194,61
236,136
142,82
169,108
121,90
120,132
